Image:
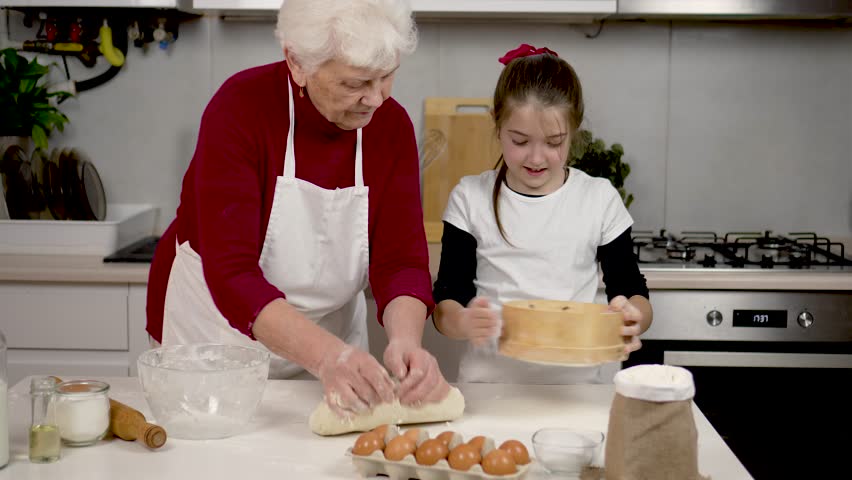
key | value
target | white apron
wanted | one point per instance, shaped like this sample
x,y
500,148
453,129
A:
x,y
316,251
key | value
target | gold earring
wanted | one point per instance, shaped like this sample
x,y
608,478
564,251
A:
x,y
301,92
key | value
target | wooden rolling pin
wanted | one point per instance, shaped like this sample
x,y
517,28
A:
x,y
128,423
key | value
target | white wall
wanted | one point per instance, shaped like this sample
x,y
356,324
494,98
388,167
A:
x,y
725,126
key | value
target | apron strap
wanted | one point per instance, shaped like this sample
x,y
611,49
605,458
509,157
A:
x,y
359,170
290,155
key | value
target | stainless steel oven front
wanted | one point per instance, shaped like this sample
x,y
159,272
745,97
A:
x,y
771,369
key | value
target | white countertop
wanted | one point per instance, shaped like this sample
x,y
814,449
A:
x,y
89,269
69,268
278,444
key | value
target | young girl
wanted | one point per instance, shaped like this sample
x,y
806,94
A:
x,y
534,228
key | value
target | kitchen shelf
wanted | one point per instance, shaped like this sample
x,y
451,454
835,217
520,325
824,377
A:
x,y
177,4
447,8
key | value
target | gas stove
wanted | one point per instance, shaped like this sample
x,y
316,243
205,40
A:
x,y
739,250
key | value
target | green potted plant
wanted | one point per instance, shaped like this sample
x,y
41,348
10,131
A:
x,y
25,101
591,155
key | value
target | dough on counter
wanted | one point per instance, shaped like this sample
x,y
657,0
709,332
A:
x,y
325,422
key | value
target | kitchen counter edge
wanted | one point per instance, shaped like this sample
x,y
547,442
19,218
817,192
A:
x,y
92,269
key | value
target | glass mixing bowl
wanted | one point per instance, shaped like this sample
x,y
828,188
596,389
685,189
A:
x,y
203,391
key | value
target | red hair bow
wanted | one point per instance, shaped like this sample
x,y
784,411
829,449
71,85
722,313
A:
x,y
525,50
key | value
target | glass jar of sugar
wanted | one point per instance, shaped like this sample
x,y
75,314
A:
x,y
82,411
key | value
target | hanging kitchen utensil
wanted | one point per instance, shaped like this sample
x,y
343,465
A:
x,y
92,195
82,188
4,210
434,145
70,185
51,185
22,194
37,161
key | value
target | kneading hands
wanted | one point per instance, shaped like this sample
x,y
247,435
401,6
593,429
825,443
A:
x,y
355,382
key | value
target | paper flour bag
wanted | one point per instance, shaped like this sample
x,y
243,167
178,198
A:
x,y
652,434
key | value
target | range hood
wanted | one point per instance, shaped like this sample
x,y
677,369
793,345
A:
x,y
735,9
545,10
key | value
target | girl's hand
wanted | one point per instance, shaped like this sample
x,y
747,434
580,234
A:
x,y
478,323
632,318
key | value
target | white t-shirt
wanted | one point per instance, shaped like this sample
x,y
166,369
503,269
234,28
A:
x,y
552,255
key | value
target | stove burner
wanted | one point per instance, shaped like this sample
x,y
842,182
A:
x,y
764,250
799,260
737,262
679,253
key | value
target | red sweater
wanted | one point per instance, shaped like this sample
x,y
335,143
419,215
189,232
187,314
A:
x,y
228,188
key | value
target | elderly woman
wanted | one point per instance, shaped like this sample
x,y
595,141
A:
x,y
305,184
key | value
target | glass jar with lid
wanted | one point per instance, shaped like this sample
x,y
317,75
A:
x,y
82,411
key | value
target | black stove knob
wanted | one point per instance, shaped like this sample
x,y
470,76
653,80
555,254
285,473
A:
x,y
766,261
797,260
709,261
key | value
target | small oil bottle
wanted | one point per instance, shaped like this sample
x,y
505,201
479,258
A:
x,y
45,442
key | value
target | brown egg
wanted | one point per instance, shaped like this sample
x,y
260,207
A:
x,y
430,451
499,462
446,437
477,442
381,430
463,457
413,433
518,450
368,443
399,447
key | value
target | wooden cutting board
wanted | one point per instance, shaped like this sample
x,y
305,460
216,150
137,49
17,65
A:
x,y
467,128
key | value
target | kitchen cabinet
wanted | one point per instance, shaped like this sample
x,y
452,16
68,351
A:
x,y
137,336
71,329
449,8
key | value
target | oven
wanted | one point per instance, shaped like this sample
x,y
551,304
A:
x,y
771,367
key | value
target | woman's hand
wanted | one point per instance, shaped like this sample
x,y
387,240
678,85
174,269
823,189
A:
x,y
354,381
477,323
633,320
420,377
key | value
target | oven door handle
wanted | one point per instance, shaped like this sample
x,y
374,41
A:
x,y
756,359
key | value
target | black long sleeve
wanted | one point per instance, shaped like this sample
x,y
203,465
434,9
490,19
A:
x,y
457,269
621,273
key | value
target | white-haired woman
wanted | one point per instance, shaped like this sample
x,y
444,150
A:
x,y
304,185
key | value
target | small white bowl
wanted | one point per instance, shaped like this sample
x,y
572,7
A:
x,y
566,451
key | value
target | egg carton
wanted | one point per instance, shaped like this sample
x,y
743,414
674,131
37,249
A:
x,y
376,464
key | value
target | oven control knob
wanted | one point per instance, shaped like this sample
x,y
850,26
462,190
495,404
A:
x,y
805,319
714,318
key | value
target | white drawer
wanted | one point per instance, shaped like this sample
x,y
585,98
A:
x,y
64,316
66,363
